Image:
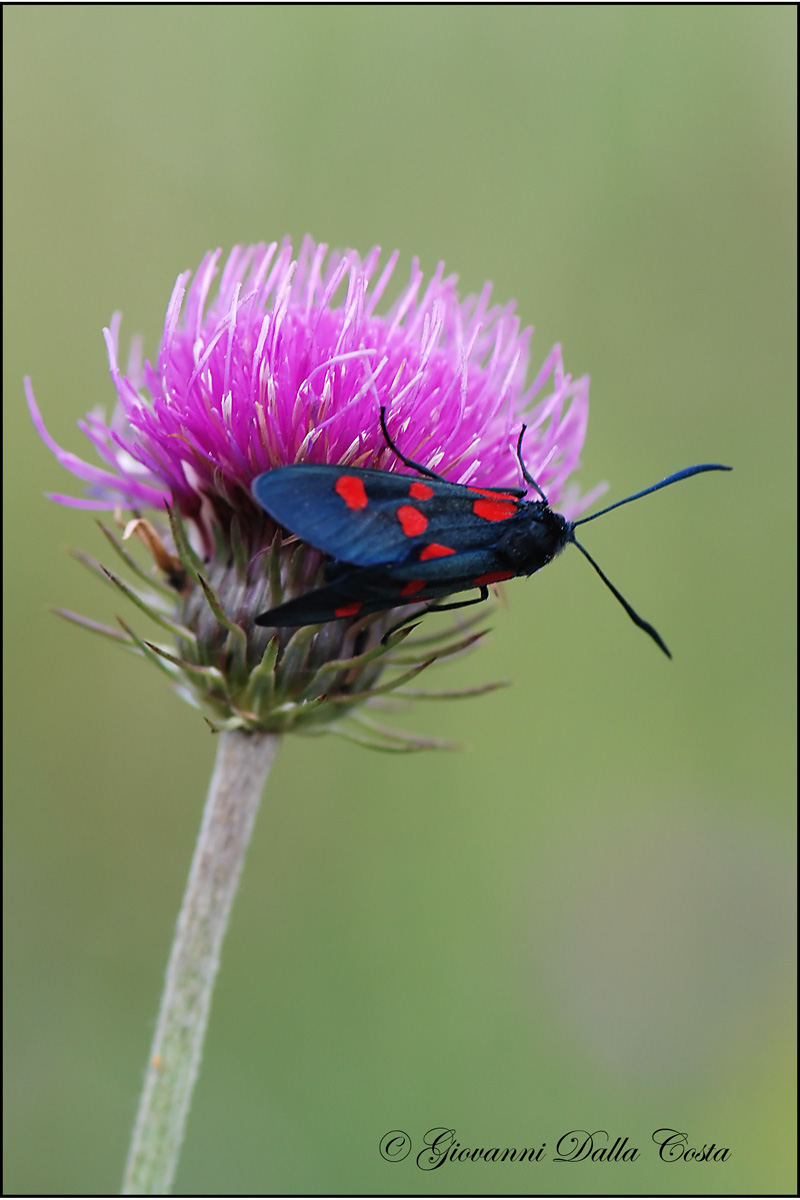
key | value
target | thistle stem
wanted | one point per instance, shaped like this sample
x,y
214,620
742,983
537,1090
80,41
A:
x,y
243,763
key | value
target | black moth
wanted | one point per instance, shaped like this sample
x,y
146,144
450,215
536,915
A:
x,y
394,539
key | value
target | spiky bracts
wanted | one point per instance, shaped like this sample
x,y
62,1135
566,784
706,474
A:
x,y
242,676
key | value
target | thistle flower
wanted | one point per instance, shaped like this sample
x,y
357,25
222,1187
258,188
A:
x,y
289,361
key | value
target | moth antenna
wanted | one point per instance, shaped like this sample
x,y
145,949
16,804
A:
x,y
634,616
686,473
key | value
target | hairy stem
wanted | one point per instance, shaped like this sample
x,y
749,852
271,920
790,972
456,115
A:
x,y
243,763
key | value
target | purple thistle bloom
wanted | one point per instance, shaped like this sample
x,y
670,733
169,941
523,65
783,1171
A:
x,y
288,361
273,370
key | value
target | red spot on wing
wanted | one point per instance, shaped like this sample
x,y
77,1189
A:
x,y
413,585
434,550
493,577
412,520
494,509
420,491
348,610
495,495
351,489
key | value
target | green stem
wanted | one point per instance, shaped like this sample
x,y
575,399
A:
x,y
243,763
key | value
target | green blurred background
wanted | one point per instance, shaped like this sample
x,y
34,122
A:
x,y
582,920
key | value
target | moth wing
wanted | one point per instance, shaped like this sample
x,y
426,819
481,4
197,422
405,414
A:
x,y
359,591
360,516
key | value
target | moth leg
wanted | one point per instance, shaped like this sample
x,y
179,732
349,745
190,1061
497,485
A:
x,y
525,472
437,608
408,462
462,603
